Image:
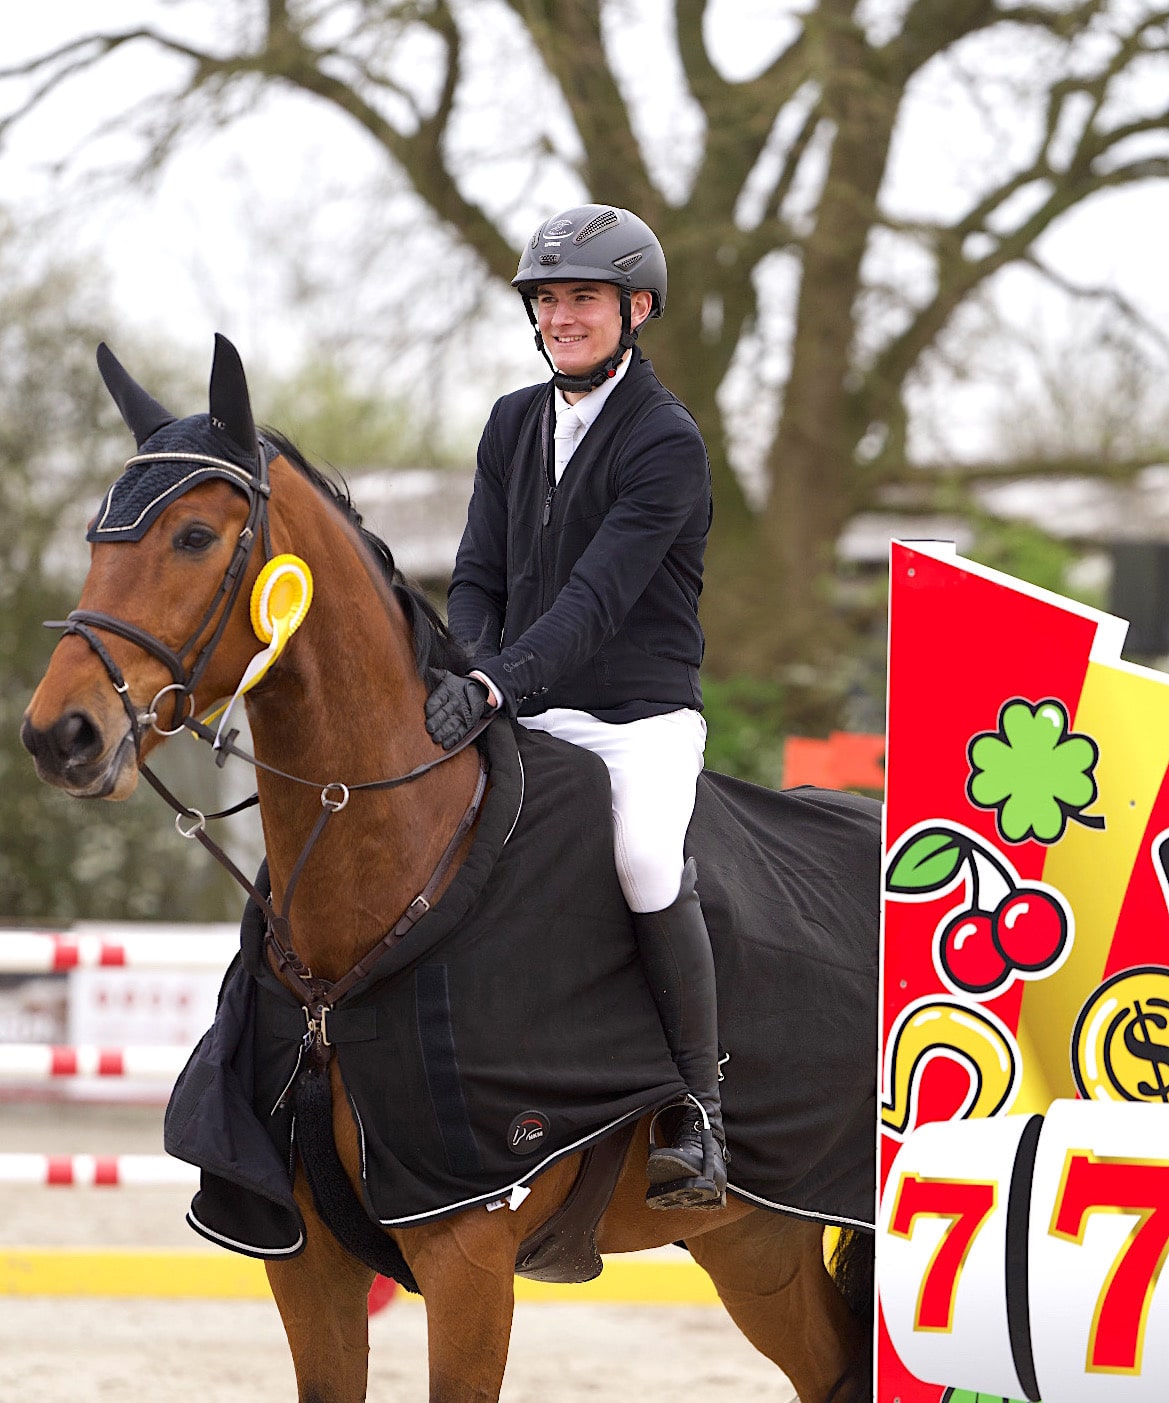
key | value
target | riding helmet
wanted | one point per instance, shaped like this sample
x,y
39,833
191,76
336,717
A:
x,y
595,243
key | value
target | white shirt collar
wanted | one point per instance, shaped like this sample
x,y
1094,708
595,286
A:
x,y
587,409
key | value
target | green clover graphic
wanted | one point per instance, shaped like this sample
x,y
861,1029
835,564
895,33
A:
x,y
966,1395
1034,772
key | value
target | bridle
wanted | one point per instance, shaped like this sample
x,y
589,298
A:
x,y
257,488
317,995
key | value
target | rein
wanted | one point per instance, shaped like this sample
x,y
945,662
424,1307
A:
x,y
317,996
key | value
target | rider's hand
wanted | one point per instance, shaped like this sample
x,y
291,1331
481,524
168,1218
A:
x,y
453,707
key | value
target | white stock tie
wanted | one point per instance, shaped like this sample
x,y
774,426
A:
x,y
568,428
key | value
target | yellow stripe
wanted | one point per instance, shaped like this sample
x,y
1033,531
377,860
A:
x,y
50,1271
625,1279
1127,715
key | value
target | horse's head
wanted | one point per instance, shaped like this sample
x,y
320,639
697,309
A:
x,y
156,636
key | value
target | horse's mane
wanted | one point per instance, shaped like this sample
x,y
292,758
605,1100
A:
x,y
435,648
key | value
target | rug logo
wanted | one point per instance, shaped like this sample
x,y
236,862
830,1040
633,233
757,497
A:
x,y
527,1133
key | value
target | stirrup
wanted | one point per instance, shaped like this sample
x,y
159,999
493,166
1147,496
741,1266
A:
x,y
704,1189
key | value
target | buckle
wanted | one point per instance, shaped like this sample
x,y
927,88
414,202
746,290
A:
x,y
317,1029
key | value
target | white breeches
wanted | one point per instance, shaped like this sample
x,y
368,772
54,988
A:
x,y
654,766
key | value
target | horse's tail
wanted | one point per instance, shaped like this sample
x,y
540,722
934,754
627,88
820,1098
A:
x,y
852,1265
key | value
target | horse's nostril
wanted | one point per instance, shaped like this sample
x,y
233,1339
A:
x,y
29,736
75,738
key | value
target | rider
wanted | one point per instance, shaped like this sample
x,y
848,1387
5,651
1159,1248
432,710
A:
x,y
576,588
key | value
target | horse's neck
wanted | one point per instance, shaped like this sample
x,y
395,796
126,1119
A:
x,y
347,705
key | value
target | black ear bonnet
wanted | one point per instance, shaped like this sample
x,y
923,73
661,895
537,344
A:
x,y
175,455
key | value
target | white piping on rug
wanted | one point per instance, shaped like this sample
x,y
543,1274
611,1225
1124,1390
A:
x,y
520,807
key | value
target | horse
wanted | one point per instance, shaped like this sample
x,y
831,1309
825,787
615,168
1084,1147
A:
x,y
344,701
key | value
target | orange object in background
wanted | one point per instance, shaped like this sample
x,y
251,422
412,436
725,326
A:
x,y
846,760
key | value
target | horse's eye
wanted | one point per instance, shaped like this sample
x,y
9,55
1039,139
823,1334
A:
x,y
194,537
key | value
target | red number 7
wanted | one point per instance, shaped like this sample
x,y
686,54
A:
x,y
1099,1185
967,1204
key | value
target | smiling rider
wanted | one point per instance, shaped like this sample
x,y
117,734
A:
x,y
576,589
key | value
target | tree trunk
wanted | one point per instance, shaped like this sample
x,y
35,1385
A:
x,y
771,612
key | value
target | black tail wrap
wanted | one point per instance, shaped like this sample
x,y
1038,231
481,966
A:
x,y
338,1206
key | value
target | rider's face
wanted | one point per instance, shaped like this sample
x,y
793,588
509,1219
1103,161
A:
x,y
581,322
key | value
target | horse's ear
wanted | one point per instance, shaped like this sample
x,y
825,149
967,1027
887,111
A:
x,y
231,407
143,415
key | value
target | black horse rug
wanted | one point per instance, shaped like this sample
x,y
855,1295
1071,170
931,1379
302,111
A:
x,y
513,1025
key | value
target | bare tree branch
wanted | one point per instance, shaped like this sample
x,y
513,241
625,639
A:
x,y
1129,311
1084,174
570,43
740,117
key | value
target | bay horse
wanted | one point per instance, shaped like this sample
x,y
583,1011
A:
x,y
346,702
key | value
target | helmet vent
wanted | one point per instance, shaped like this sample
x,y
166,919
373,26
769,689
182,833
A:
x,y
548,258
628,262
609,219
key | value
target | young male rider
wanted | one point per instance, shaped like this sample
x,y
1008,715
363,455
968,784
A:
x,y
576,587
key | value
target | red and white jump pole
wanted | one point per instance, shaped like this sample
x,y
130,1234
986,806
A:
x,y
44,952
96,1171
44,1062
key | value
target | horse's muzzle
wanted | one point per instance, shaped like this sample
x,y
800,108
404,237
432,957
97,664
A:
x,y
73,754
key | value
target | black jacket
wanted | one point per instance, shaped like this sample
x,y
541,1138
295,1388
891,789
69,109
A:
x,y
585,594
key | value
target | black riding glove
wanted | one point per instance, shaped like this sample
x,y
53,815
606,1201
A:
x,y
453,707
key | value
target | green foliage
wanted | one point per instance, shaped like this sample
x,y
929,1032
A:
x,y
333,419
1024,551
61,442
744,718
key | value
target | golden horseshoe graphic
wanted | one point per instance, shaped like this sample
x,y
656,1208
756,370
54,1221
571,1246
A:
x,y
942,1028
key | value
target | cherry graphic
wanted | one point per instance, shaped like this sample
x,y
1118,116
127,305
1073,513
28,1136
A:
x,y
969,955
1006,927
1029,929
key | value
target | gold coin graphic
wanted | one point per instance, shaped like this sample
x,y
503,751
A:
x,y
1120,1046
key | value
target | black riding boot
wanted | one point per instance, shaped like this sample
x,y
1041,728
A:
x,y
690,1171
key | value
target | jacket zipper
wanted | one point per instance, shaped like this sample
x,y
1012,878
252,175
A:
x,y
550,478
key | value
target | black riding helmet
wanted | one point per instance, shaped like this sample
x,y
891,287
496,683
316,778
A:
x,y
599,244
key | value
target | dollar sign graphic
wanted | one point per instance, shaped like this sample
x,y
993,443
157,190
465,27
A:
x,y
1140,1043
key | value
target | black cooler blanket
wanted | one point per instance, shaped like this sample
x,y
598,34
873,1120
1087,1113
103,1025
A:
x,y
514,1026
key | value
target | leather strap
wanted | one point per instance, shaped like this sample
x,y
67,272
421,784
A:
x,y
325,993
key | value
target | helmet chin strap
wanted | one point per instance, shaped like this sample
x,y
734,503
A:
x,y
607,368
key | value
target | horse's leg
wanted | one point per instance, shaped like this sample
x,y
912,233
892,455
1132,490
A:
x,y
465,1268
768,1269
466,1273
322,1297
